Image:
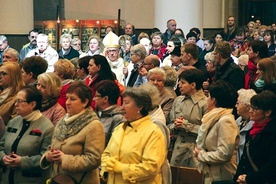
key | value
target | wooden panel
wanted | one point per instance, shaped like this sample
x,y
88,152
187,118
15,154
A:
x,y
185,175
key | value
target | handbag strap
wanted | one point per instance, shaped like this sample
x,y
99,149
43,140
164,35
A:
x,y
255,168
82,177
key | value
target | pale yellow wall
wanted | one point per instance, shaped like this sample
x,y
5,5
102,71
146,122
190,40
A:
x,y
213,16
16,16
140,13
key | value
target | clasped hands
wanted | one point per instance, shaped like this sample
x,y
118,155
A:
x,y
12,161
54,155
241,179
110,164
178,122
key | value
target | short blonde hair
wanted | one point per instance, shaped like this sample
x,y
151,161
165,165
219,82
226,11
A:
x,y
65,68
52,82
209,57
172,76
245,95
243,60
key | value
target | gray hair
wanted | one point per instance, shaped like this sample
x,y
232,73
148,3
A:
x,y
209,57
140,50
141,99
245,95
157,70
172,76
64,36
3,38
152,91
13,52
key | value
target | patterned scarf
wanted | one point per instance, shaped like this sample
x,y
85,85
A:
x,y
47,104
70,126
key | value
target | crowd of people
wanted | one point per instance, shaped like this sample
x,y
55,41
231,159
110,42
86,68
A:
x,y
112,112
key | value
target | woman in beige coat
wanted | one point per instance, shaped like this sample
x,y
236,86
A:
x,y
218,136
78,139
10,83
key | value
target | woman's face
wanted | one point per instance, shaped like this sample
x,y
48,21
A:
x,y
5,78
251,54
250,27
93,68
93,45
185,87
128,45
170,46
242,109
259,72
80,72
157,80
65,44
42,87
257,115
26,76
267,38
218,38
210,67
130,109
256,35
76,45
74,105
191,40
207,45
156,41
22,107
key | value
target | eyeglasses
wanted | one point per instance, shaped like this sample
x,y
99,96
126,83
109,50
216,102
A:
x,y
2,74
75,44
19,101
33,37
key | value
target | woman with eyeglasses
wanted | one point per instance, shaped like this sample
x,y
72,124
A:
x,y
257,164
26,138
10,83
76,44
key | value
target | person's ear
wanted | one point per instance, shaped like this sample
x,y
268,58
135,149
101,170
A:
x,y
33,104
267,113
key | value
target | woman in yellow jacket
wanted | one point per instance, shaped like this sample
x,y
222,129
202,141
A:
x,y
136,150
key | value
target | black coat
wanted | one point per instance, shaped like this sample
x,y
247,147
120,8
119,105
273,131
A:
x,y
72,54
232,73
262,151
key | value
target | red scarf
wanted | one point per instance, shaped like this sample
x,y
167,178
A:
x,y
251,74
257,128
